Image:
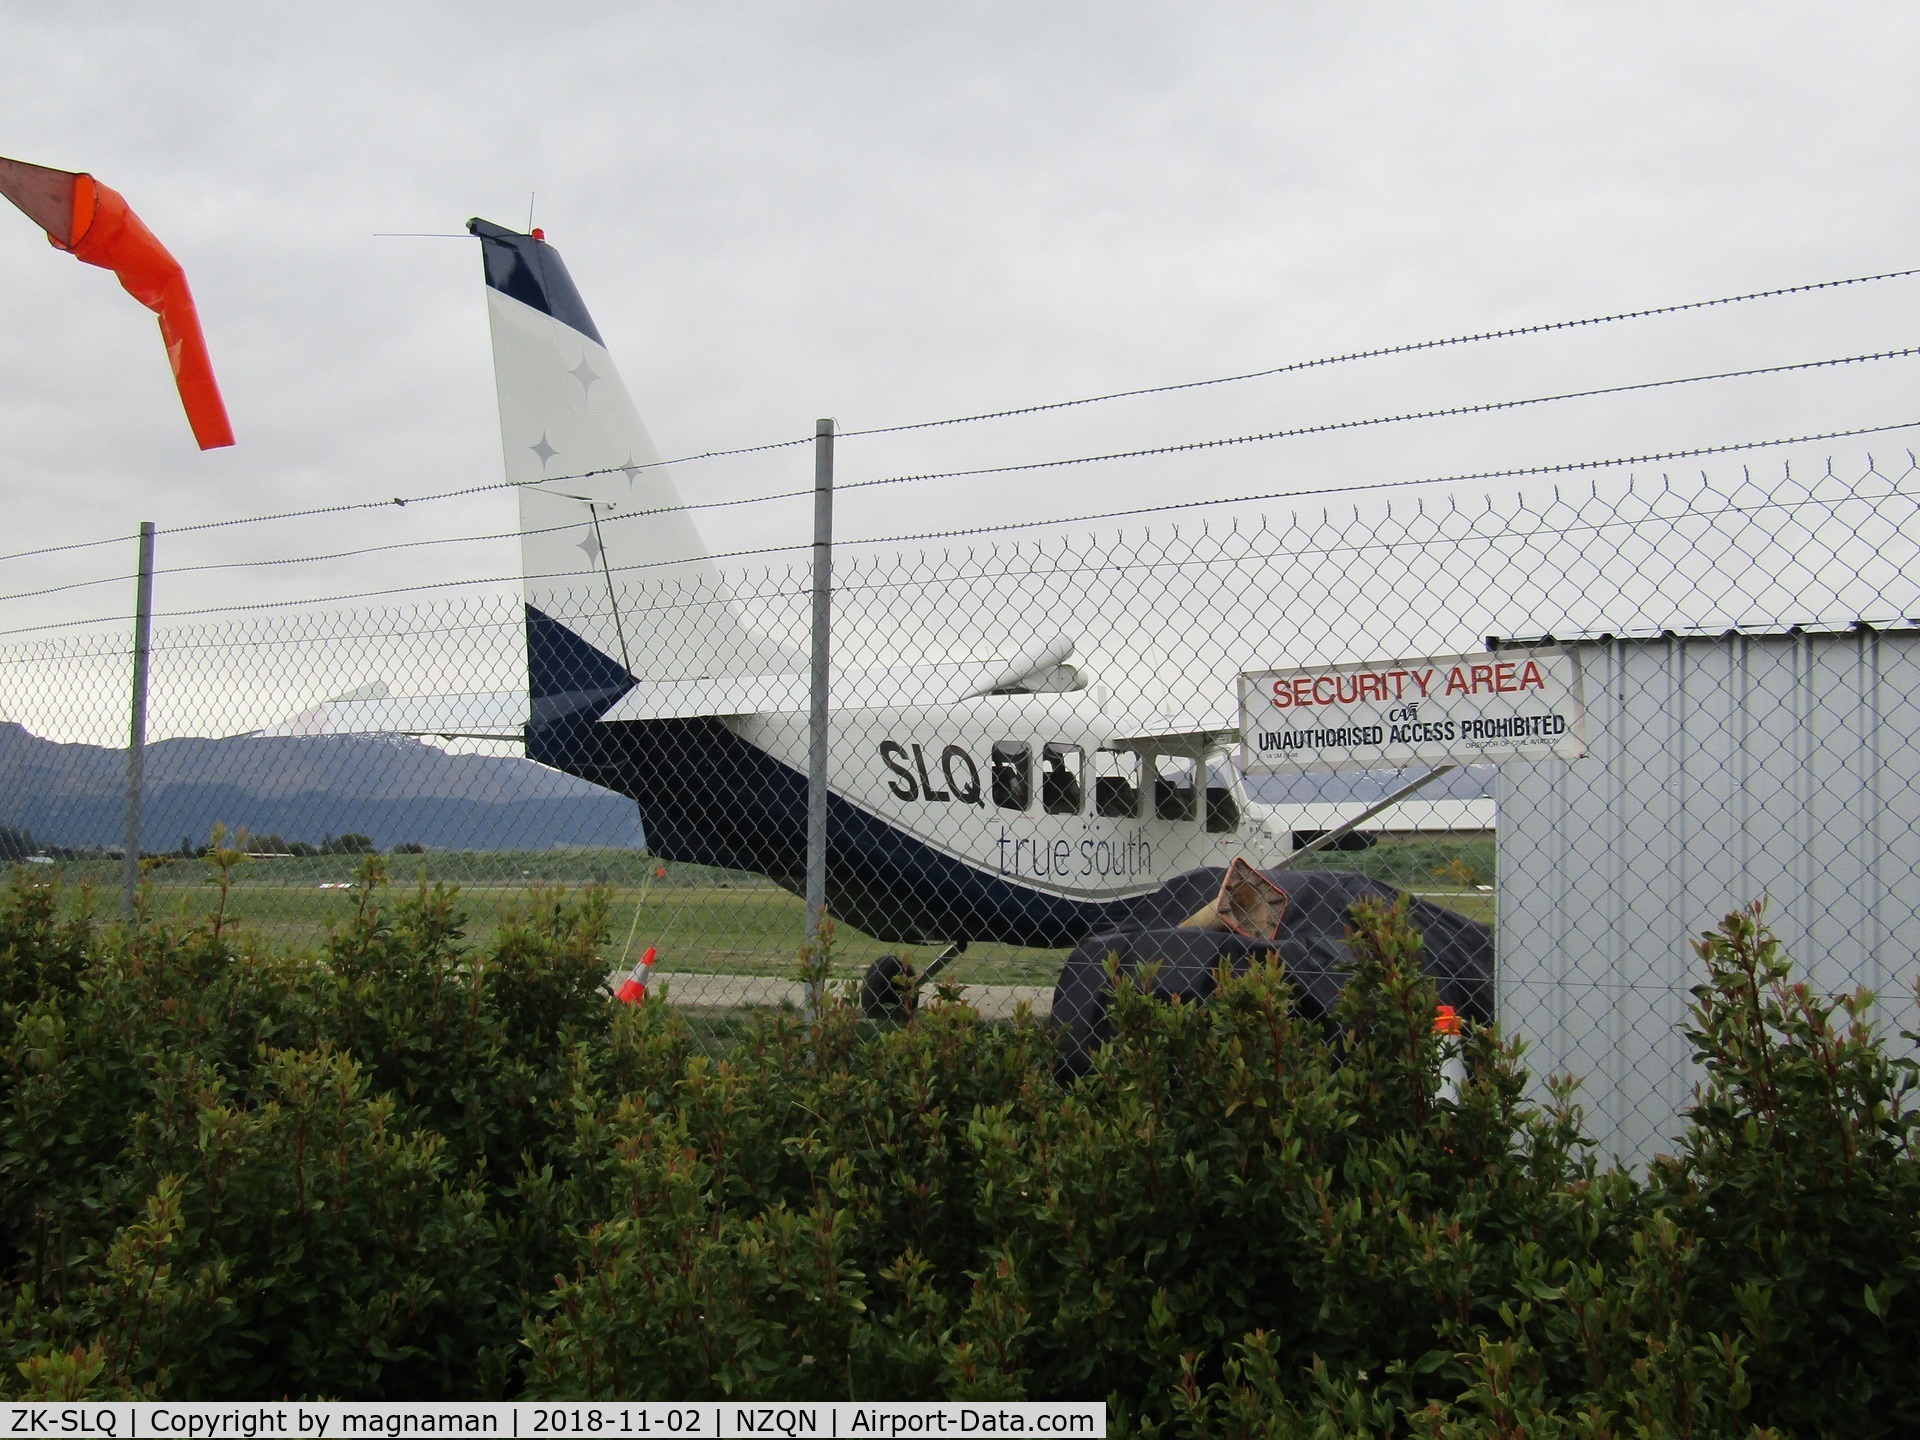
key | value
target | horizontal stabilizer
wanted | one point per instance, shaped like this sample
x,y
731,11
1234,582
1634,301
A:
x,y
371,710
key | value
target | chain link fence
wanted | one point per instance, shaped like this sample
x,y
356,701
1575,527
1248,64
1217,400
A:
x,y
1031,736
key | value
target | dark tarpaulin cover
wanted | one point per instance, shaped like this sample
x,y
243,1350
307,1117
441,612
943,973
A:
x,y
1457,952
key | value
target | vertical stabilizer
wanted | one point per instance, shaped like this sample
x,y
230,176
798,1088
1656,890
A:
x,y
601,531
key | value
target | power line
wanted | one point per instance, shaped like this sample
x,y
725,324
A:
x,y
1560,468
1410,347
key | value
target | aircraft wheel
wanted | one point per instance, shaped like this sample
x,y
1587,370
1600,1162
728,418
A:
x,y
887,989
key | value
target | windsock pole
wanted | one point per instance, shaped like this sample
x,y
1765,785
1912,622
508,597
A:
x,y
634,988
137,730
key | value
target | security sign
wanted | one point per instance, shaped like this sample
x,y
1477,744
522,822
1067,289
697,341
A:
x,y
1446,709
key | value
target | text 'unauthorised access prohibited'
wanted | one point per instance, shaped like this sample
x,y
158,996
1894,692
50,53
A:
x,y
1441,710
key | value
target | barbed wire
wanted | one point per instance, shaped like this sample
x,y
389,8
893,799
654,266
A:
x,y
1383,351
1565,467
1294,432
1516,472
402,501
1320,362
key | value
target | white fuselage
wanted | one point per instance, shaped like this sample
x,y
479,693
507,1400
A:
x,y
931,773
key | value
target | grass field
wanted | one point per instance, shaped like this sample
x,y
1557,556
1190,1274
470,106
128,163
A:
x,y
1454,870
700,920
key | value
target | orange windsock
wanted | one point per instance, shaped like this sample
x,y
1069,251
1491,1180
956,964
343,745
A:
x,y
91,222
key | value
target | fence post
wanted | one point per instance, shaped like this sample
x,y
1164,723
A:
x,y
822,626
137,731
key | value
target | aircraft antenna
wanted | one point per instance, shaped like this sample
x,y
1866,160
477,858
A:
x,y
619,630
599,545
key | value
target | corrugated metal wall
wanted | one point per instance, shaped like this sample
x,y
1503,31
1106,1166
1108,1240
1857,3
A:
x,y
1720,770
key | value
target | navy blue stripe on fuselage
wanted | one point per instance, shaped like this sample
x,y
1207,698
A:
x,y
708,797
532,272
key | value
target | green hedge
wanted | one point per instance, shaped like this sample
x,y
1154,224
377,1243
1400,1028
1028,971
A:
x,y
409,1167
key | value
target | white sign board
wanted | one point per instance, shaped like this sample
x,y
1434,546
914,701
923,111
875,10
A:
x,y
1446,709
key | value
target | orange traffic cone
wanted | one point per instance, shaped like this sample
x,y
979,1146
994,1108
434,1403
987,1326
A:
x,y
634,988
1447,1024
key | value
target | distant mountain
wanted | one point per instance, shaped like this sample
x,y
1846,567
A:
x,y
392,789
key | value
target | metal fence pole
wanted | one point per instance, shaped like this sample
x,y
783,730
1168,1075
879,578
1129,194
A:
x,y
822,626
137,731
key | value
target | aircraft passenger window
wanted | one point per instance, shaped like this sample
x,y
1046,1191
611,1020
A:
x,y
1012,775
1173,787
1062,786
1223,805
1116,784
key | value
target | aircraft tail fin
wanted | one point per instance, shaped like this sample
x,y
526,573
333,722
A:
x,y
600,517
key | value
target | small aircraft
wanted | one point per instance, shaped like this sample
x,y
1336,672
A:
x,y
1002,798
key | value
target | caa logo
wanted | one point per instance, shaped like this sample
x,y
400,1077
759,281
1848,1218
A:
x,y
962,776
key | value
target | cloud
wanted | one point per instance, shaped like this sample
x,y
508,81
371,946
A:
x,y
884,212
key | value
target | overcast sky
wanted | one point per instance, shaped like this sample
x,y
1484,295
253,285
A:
x,y
892,212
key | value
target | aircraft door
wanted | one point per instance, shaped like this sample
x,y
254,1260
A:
x,y
1223,796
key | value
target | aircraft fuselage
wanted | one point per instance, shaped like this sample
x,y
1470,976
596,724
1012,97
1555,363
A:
x,y
1006,819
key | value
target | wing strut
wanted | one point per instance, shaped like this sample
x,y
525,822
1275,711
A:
x,y
1339,833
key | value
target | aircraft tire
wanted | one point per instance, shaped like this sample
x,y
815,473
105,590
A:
x,y
885,992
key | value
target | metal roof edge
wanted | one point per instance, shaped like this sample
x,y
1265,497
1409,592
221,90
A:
x,y
1898,625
